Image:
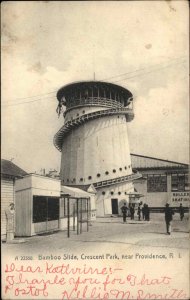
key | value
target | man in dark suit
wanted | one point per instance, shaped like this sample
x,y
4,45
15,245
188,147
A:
x,y
124,212
168,218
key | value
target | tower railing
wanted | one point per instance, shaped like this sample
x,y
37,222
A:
x,y
92,101
117,180
69,125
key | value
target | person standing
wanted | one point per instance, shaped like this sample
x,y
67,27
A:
x,y
168,218
124,212
139,212
143,211
132,212
147,213
181,211
10,213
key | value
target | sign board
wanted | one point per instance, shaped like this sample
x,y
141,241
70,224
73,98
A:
x,y
180,197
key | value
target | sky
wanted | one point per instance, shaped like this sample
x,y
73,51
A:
x,y
141,45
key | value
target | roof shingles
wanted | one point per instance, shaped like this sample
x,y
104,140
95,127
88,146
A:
x,y
10,169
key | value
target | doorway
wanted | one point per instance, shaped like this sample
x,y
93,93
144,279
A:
x,y
114,205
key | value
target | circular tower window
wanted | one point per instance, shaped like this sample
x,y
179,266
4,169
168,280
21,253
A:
x,y
89,177
103,193
114,170
106,172
111,193
98,175
81,179
119,193
120,169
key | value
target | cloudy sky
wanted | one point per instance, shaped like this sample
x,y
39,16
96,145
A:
x,y
140,45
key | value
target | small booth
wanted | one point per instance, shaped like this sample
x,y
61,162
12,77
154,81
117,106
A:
x,y
42,205
37,205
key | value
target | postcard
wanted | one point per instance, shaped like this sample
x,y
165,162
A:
x,y
95,150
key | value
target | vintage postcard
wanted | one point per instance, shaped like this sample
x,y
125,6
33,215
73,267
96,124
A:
x,y
95,150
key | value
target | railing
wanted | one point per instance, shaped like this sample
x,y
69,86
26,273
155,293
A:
x,y
117,180
100,101
58,138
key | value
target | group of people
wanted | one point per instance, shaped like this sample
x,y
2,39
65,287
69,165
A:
x,y
143,212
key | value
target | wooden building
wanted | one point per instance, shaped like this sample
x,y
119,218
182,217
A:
x,y
9,172
162,181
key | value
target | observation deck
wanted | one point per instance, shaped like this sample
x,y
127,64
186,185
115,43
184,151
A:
x,y
94,93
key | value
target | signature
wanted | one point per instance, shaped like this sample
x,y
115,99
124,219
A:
x,y
85,282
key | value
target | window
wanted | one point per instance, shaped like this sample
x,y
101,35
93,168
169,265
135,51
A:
x,y
111,193
89,177
179,182
114,170
53,209
45,209
81,179
106,172
120,169
103,193
156,183
187,185
98,175
119,193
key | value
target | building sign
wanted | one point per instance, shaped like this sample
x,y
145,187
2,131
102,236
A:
x,y
180,197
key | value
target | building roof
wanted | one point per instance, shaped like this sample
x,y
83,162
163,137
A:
x,y
141,162
74,192
87,187
10,169
83,84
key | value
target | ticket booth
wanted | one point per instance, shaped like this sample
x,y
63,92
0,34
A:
x,y
37,205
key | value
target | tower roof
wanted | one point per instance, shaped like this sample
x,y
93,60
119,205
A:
x,y
89,84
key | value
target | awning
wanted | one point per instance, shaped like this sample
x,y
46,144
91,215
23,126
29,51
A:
x,y
74,192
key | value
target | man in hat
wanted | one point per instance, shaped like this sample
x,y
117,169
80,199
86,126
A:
x,y
168,218
124,209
